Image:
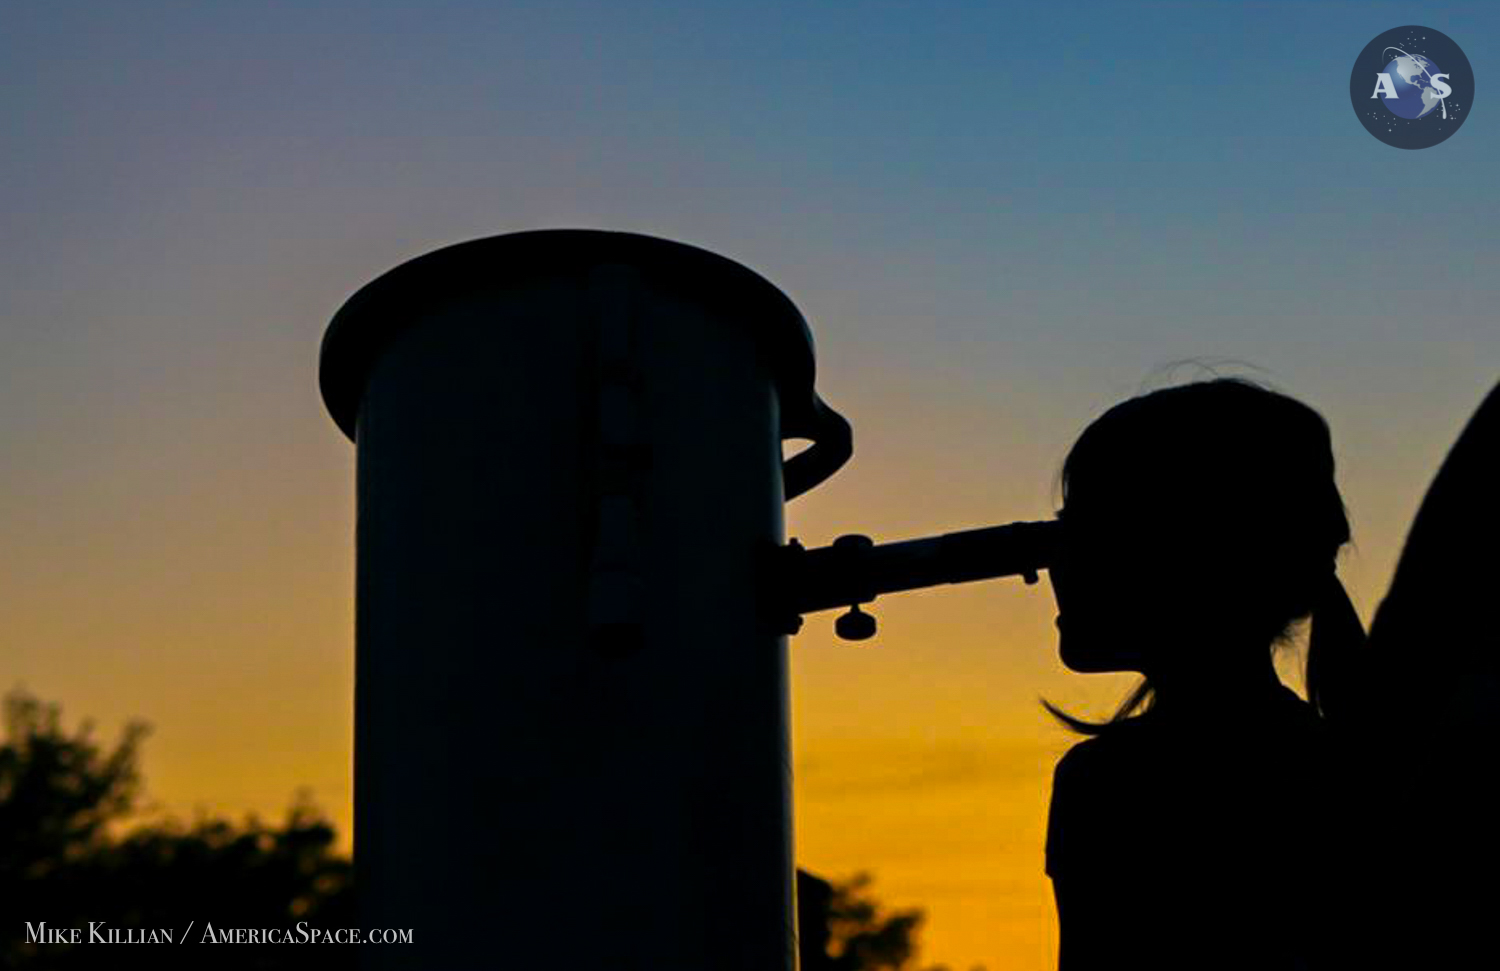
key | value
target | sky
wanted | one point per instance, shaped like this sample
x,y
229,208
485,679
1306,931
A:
x,y
998,219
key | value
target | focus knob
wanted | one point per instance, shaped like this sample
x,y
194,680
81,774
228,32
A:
x,y
856,625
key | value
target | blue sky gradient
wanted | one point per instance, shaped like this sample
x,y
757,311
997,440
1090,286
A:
x,y
998,218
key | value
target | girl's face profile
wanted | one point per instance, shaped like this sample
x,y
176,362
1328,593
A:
x,y
1111,578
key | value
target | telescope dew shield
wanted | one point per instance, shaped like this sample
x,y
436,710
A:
x,y
571,727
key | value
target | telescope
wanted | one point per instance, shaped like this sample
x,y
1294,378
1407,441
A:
x,y
574,596
854,569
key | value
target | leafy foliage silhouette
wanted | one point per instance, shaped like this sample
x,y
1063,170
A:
x,y
844,928
63,860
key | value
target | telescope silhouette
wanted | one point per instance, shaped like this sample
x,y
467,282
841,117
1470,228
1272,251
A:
x,y
573,596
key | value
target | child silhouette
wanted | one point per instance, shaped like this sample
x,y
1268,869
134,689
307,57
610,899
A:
x,y
1200,826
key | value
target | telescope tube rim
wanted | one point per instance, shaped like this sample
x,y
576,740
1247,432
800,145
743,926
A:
x,y
378,311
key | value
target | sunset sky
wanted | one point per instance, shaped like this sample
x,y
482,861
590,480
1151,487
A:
x,y
998,220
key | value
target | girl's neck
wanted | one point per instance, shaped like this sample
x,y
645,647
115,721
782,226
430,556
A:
x,y
1199,690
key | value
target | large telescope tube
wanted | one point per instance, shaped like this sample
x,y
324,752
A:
x,y
573,597
571,729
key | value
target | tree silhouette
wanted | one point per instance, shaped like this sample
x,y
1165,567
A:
x,y
68,858
62,797
844,928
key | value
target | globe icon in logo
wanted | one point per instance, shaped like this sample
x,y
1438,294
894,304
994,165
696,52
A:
x,y
1412,87
1417,94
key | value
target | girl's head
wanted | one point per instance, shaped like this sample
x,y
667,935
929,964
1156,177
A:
x,y
1200,523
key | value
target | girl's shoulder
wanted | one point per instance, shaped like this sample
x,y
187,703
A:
x,y
1141,743
1120,748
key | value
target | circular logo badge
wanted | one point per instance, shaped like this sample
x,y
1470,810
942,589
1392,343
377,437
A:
x,y
1411,87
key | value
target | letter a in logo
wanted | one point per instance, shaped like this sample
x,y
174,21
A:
x,y
1384,88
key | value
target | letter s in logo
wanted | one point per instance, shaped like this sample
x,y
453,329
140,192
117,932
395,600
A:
x,y
1441,86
